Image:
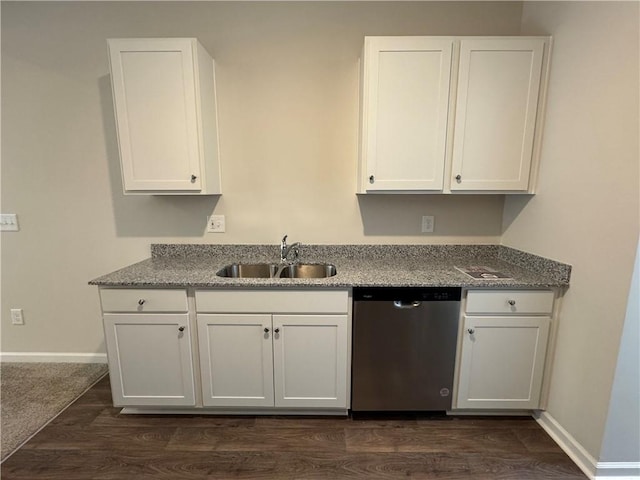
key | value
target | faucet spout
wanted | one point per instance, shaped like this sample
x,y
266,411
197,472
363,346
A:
x,y
285,250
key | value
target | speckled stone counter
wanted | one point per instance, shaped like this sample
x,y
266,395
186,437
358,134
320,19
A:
x,y
189,265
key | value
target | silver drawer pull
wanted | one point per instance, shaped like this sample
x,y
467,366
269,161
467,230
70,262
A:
x,y
141,301
471,331
511,302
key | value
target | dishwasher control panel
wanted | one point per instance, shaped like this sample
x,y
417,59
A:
x,y
423,294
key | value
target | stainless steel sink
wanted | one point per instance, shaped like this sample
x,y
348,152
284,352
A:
x,y
276,270
249,270
309,270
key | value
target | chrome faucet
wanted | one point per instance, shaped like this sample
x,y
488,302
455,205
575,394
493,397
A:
x,y
285,250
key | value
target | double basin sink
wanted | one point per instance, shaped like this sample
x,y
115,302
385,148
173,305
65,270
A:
x,y
278,270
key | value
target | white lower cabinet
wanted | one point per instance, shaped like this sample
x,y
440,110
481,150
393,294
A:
x,y
290,361
148,343
289,350
502,362
280,349
310,361
150,359
236,360
502,354
257,350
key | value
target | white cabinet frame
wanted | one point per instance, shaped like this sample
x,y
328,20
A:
x,y
164,96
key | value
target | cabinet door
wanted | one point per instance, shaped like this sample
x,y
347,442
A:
x,y
154,90
236,360
497,100
310,360
502,362
149,359
405,88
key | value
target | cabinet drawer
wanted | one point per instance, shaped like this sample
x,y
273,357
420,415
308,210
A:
x,y
272,301
143,300
510,301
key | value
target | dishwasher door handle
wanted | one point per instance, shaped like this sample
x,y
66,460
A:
x,y
401,304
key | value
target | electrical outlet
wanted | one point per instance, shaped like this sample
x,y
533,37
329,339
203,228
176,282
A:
x,y
16,316
428,222
215,224
9,222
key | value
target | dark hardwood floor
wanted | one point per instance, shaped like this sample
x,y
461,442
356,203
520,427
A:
x,y
91,440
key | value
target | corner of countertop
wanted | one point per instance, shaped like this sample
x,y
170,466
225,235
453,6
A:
x,y
560,272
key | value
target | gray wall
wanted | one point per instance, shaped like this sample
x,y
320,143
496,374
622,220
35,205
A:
x,y
586,211
288,102
288,105
622,431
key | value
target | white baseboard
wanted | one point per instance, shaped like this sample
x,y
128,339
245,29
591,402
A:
x,y
570,445
618,471
51,357
623,477
584,460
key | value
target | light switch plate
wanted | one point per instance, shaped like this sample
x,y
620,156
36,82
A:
x,y
16,316
9,222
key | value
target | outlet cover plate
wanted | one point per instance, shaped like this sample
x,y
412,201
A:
x,y
216,224
428,222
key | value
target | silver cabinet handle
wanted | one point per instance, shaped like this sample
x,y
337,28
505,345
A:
x,y
511,302
266,330
181,329
471,331
458,177
277,330
193,178
372,179
141,301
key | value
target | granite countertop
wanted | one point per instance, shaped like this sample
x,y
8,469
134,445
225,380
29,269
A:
x,y
190,265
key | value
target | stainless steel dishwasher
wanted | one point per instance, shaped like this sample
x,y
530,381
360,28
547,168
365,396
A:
x,y
404,348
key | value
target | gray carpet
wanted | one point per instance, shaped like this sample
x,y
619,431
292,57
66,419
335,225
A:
x,y
34,393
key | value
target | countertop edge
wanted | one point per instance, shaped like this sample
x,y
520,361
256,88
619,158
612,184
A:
x,y
358,266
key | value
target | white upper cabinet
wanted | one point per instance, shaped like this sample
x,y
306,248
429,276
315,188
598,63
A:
x,y
165,105
405,89
495,120
451,114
